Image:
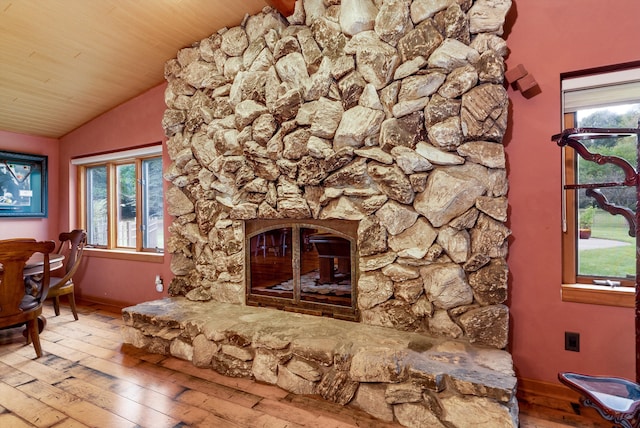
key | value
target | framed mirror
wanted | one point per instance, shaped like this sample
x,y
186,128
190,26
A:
x,y
23,185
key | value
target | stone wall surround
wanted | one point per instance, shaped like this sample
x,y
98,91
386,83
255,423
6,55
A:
x,y
391,113
387,112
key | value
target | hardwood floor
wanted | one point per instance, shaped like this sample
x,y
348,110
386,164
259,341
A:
x,y
87,377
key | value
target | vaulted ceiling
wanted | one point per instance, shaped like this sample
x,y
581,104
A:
x,y
64,62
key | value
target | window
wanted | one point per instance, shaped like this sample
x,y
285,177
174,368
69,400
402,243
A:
x,y
121,199
599,257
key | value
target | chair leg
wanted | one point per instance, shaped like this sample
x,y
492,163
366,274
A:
x,y
72,303
34,336
56,305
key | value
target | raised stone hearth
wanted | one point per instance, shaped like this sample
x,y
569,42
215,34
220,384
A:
x,y
416,380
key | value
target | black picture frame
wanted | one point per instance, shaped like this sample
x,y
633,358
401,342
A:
x,y
23,185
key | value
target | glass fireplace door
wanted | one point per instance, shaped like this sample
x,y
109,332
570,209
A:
x,y
302,267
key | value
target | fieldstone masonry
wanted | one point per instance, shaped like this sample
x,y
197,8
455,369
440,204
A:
x,y
390,113
386,112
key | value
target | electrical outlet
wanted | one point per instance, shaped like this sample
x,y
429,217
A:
x,y
159,284
572,341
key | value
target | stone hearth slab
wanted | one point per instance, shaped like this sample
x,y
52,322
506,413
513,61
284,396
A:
x,y
393,375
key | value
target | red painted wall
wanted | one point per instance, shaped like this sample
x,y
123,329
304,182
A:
x,y
135,123
550,37
39,228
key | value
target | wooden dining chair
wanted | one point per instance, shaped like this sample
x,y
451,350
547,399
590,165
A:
x,y
16,306
71,246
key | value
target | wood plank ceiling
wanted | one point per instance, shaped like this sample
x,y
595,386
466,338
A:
x,y
64,62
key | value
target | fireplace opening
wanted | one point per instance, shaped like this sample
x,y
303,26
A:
x,y
305,266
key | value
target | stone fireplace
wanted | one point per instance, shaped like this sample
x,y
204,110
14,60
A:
x,y
387,114
391,116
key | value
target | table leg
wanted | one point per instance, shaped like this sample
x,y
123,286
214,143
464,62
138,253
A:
x,y
326,269
344,265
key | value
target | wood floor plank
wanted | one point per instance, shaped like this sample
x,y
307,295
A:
x,y
216,421
140,354
92,327
69,423
27,407
87,348
11,420
227,410
21,347
304,417
270,421
248,385
57,349
52,334
212,389
283,410
154,400
97,329
34,368
346,414
76,407
94,416
9,347
104,343
13,377
136,375
128,359
135,412
5,370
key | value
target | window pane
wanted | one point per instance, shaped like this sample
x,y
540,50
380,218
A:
x,y
152,204
605,248
126,208
325,266
271,264
97,205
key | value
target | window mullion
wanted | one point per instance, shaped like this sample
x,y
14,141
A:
x,y
81,197
139,205
112,214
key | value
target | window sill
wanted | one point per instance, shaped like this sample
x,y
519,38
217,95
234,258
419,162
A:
x,y
124,255
599,295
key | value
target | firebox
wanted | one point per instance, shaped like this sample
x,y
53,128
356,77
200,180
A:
x,y
307,266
